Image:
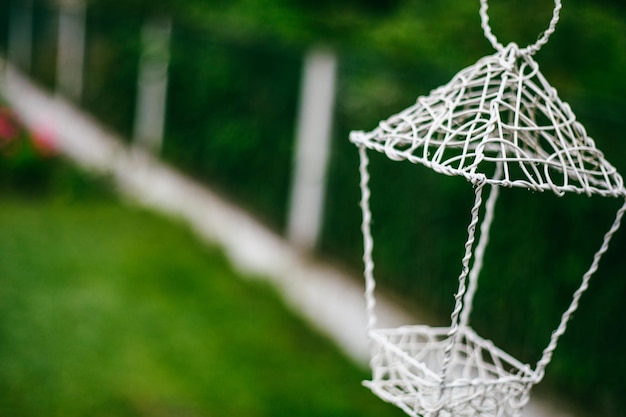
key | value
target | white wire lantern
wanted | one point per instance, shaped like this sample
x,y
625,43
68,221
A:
x,y
497,123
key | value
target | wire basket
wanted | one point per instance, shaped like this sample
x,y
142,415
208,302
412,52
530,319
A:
x,y
482,380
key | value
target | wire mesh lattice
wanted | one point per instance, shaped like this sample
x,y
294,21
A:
x,y
482,380
501,110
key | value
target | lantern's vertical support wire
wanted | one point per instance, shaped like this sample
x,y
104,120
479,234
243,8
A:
x,y
548,351
368,241
479,252
480,182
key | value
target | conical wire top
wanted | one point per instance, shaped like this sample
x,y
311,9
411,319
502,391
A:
x,y
502,112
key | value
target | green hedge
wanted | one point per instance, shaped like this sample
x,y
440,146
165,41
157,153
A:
x,y
231,114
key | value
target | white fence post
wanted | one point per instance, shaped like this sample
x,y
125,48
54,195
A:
x,y
71,48
312,148
21,34
152,84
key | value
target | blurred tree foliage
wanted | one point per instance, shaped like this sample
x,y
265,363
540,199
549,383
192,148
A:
x,y
234,81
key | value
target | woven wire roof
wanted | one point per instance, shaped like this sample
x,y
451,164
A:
x,y
498,119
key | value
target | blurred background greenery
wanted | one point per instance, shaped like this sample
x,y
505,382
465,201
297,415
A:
x,y
233,91
109,310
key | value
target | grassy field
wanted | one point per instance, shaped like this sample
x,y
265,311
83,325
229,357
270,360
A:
x,y
108,310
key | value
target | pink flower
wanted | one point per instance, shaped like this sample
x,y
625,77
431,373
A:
x,y
8,127
44,141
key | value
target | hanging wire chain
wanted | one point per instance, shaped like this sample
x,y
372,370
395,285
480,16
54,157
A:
x,y
530,49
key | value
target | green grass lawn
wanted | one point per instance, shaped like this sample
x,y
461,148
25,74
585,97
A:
x,y
109,310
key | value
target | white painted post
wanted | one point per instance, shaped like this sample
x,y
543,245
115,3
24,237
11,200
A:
x,y
152,84
71,48
21,34
312,148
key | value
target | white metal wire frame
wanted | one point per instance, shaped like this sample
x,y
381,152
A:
x,y
498,123
499,111
451,371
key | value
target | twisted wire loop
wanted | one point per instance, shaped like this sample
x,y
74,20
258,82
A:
x,y
542,39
